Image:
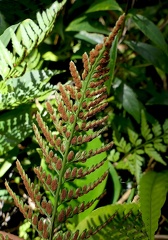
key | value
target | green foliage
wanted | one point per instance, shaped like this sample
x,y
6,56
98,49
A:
x,y
137,118
153,189
21,80
131,154
24,89
26,37
119,222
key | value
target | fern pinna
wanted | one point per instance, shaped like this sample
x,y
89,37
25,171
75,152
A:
x,y
75,124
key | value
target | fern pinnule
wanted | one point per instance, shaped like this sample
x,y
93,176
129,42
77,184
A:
x,y
75,75
28,185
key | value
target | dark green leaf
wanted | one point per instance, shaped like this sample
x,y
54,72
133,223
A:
x,y
86,25
129,101
152,54
3,24
116,183
113,57
151,31
104,5
159,99
152,192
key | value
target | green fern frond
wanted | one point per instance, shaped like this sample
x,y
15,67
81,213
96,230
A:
x,y
152,192
25,37
115,222
77,167
15,126
24,89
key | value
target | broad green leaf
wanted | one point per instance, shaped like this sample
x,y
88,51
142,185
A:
x,y
85,24
152,54
152,192
116,183
151,31
94,144
129,101
113,58
104,5
93,38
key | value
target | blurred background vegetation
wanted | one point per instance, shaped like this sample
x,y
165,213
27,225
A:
x,y
138,94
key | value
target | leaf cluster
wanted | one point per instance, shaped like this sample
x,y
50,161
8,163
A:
x,y
74,167
139,148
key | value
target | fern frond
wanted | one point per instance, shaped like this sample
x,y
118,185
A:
x,y
15,126
114,222
26,88
75,169
26,37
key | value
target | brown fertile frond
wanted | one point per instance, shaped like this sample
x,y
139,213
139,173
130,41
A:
x,y
68,147
28,185
18,202
75,75
63,215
